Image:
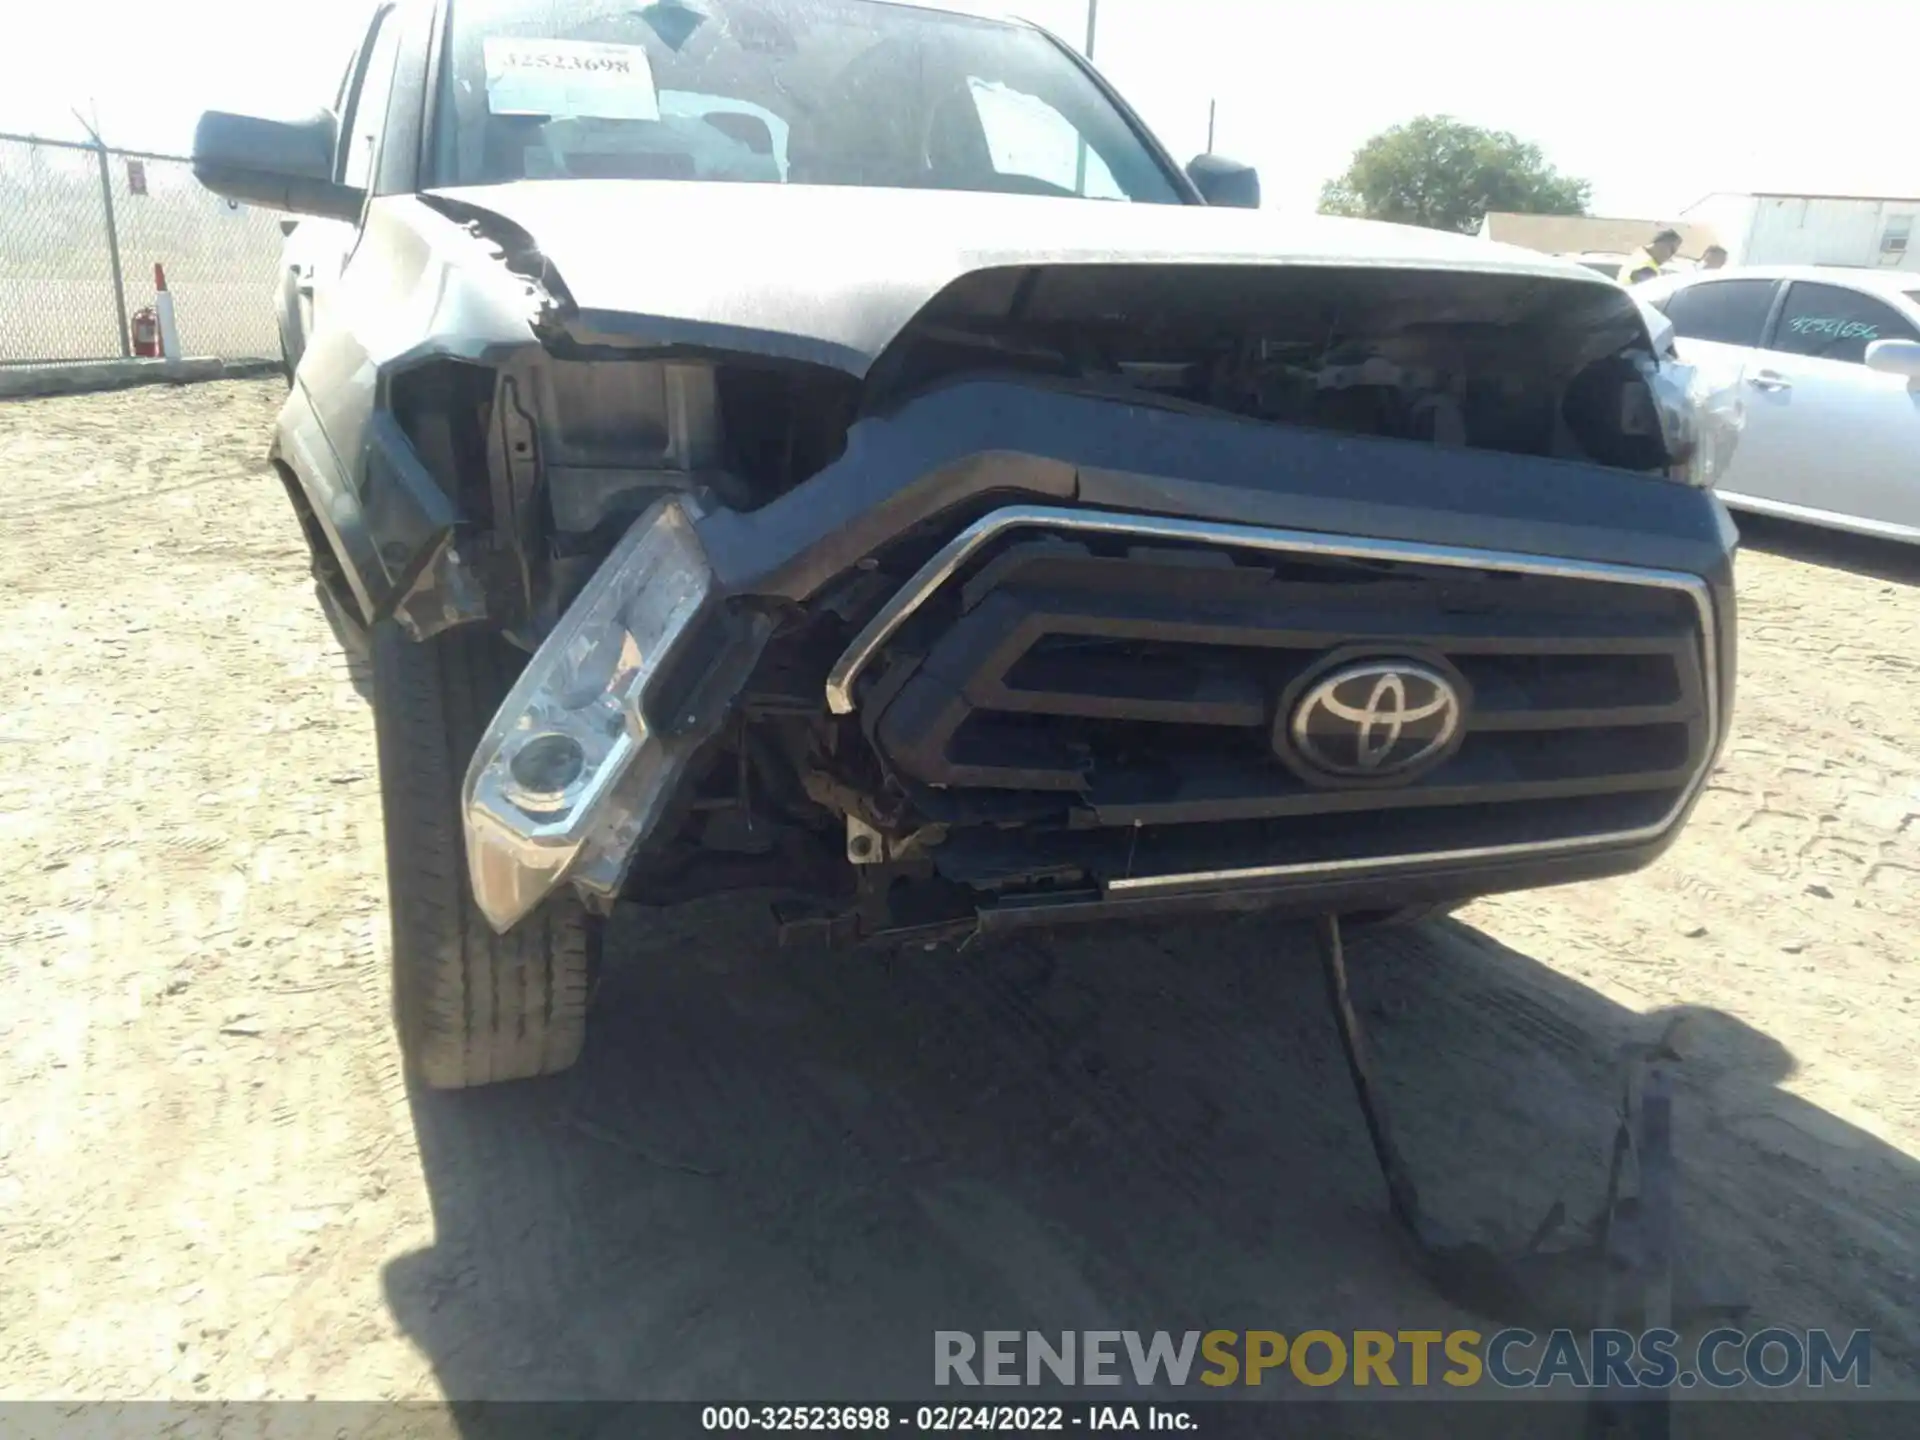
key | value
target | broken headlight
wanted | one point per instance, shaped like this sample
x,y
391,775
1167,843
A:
x,y
568,777
1699,422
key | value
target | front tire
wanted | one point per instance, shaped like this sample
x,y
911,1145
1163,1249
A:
x,y
472,1007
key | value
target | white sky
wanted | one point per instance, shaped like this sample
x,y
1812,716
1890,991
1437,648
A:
x,y
1656,104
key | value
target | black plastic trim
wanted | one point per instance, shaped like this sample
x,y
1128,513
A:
x,y
1384,889
981,441
405,511
982,438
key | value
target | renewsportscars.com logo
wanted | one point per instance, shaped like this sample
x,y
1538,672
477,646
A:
x,y
1512,1359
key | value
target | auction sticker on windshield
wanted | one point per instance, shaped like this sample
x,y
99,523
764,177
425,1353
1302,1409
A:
x,y
569,79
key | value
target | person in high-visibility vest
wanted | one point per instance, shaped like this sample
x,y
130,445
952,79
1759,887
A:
x,y
1645,264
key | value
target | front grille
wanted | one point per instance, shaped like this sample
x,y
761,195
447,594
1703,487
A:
x,y
1125,698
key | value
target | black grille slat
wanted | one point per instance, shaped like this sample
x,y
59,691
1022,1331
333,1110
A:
x,y
1143,690
992,857
1187,689
1264,622
1544,690
1212,788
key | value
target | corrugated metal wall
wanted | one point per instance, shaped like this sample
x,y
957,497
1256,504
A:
x,y
1789,231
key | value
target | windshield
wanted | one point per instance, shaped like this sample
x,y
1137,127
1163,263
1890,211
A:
x,y
817,92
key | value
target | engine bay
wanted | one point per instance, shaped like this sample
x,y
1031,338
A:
x,y
1492,362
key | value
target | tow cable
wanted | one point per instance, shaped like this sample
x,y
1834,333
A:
x,y
1621,1274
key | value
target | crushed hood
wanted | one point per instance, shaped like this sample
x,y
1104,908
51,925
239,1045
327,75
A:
x,y
831,274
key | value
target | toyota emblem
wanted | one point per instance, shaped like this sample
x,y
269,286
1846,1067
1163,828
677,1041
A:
x,y
1375,720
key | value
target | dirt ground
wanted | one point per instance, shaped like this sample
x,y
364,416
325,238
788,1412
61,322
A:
x,y
774,1177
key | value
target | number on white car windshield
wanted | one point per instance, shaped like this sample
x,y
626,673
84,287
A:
x,y
822,92
1732,312
1829,322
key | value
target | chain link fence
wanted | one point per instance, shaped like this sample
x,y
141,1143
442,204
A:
x,y
81,228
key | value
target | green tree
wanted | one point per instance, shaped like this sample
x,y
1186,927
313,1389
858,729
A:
x,y
1438,172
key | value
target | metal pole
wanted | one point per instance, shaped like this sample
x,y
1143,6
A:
x,y
1080,150
1212,105
113,232
113,252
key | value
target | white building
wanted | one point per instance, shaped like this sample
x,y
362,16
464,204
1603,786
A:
x,y
1589,234
1771,229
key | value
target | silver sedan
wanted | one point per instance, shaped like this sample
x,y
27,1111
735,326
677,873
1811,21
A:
x,y
1828,364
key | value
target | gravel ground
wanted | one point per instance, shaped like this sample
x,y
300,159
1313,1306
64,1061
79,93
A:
x,y
774,1176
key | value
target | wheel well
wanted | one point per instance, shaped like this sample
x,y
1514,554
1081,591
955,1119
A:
x,y
323,562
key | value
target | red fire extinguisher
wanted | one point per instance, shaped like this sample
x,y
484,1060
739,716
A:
x,y
146,332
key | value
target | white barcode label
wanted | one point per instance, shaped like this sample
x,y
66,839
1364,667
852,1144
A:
x,y
569,79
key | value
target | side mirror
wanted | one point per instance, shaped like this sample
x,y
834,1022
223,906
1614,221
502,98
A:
x,y
1221,181
1895,357
278,164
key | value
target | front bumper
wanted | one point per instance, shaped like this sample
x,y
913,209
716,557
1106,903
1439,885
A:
x,y
644,667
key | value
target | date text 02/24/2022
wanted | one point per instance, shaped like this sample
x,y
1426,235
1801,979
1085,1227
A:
x,y
943,1419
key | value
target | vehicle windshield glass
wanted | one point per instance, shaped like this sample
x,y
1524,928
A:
x,y
819,92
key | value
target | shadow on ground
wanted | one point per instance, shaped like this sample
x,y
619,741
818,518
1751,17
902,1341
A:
x,y
355,650
1835,549
775,1176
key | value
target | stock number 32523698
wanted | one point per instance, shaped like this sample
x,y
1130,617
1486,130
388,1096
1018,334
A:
x,y
922,1419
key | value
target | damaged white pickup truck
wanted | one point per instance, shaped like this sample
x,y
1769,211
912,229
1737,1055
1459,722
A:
x,y
827,449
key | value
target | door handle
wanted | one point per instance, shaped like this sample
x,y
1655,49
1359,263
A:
x,y
1769,380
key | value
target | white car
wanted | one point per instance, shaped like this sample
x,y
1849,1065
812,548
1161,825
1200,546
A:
x,y
1610,262
1601,262
1828,364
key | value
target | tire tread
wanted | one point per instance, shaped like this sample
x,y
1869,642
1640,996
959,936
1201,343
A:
x,y
473,1007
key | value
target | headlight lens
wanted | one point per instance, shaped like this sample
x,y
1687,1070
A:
x,y
570,730
1699,421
